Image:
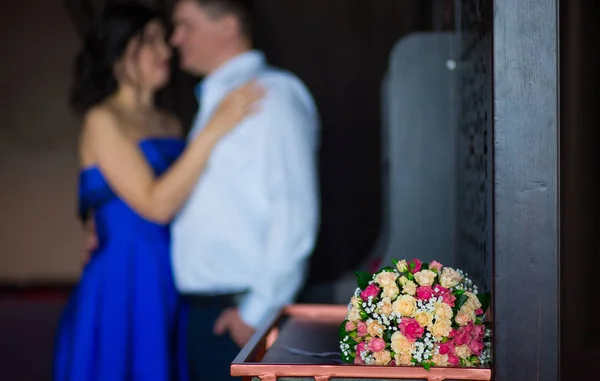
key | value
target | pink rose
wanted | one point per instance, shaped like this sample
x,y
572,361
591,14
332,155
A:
x,y
360,348
453,360
476,347
350,326
478,331
439,290
446,348
362,329
449,299
463,336
392,363
424,292
371,290
452,333
435,266
376,345
358,360
415,266
479,312
411,329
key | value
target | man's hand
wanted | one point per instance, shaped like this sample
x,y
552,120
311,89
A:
x,y
230,321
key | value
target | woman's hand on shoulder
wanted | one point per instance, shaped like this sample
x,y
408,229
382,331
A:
x,y
237,105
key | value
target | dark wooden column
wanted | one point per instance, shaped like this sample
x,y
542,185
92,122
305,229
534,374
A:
x,y
526,162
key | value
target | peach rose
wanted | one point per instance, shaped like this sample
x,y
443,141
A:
x,y
464,315
405,305
441,328
403,359
375,329
424,318
443,311
386,307
382,358
450,277
386,278
463,351
462,318
400,344
390,291
440,360
472,301
425,277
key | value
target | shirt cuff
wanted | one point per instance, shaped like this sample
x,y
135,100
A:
x,y
254,312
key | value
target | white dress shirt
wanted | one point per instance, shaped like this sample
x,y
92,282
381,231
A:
x,y
251,221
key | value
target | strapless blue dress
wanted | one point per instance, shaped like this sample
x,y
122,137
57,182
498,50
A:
x,y
121,322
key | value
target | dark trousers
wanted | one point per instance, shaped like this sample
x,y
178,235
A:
x,y
209,356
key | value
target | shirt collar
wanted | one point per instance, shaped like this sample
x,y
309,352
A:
x,y
234,72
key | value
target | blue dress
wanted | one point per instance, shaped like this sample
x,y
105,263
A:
x,y
121,322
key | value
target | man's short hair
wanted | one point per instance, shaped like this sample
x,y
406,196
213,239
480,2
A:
x,y
241,9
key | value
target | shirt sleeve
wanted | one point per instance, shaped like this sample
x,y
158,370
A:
x,y
291,157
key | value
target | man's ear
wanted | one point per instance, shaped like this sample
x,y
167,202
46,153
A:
x,y
230,25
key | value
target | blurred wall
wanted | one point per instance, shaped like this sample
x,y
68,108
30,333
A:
x,y
41,238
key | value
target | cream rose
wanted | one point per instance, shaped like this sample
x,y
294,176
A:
x,y
382,358
403,359
375,329
386,307
410,288
386,278
424,318
400,344
425,277
450,277
440,360
354,314
405,305
462,351
390,291
402,266
441,328
443,311
356,302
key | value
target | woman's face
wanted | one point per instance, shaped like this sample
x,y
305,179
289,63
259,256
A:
x,y
147,58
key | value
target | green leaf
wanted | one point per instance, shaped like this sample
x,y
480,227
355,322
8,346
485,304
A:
x,y
425,266
364,315
387,336
395,261
485,300
474,359
363,278
342,331
410,276
388,269
427,366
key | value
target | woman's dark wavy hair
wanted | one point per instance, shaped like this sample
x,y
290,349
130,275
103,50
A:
x,y
105,44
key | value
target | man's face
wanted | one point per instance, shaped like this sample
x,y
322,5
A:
x,y
197,36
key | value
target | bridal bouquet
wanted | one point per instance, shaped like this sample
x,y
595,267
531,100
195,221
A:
x,y
419,314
